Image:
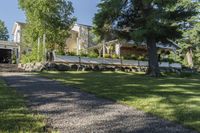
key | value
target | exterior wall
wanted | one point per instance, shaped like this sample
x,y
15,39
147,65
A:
x,y
71,43
17,34
84,37
80,39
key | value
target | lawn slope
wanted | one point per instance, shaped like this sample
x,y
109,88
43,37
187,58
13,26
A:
x,y
173,98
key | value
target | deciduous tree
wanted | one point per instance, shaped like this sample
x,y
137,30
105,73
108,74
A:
x,y
51,17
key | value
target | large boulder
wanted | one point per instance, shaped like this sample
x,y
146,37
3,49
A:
x,y
62,67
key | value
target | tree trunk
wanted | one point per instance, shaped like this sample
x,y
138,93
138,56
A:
x,y
50,56
189,56
153,69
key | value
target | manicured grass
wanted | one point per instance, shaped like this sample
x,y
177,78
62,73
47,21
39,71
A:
x,y
14,115
173,98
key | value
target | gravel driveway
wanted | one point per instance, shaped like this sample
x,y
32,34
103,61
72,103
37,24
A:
x,y
70,110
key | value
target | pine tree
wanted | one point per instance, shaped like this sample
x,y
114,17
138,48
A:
x,y
150,21
3,31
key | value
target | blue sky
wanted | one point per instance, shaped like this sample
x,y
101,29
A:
x,y
9,12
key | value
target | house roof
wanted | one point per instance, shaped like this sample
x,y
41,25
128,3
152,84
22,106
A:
x,y
20,23
84,25
168,44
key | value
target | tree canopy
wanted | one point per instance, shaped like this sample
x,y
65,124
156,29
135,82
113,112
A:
x,y
51,17
3,31
144,20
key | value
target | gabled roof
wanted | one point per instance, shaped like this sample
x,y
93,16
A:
x,y
21,23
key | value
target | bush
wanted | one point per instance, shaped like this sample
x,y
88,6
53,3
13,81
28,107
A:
x,y
115,56
14,59
71,53
93,55
32,56
107,56
83,54
60,52
130,57
186,74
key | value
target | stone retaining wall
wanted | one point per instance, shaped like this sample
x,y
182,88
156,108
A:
x,y
38,67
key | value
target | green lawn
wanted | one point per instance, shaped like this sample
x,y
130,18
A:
x,y
14,115
173,98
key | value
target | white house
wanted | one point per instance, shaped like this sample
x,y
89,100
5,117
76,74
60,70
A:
x,y
10,50
80,39
17,31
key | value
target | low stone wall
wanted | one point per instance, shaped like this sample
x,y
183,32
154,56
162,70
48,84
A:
x,y
32,67
91,67
38,67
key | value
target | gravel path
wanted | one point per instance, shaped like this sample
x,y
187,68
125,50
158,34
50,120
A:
x,y
71,110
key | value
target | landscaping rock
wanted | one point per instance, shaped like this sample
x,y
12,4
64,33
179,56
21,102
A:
x,y
62,67
74,67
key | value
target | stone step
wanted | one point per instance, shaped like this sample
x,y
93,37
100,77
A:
x,y
10,68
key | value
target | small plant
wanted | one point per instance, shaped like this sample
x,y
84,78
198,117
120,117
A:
x,y
93,54
32,56
115,56
14,59
107,56
60,52
71,53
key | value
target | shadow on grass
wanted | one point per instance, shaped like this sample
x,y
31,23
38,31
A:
x,y
14,116
172,98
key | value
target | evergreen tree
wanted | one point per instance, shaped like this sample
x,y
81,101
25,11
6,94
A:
x,y
3,31
150,21
190,43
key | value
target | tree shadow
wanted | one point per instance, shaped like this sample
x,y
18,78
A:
x,y
54,99
14,116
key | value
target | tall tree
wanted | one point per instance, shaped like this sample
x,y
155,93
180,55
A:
x,y
3,31
190,43
144,20
51,17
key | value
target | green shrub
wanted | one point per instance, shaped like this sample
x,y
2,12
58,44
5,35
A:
x,y
83,54
33,56
93,54
71,53
186,74
60,52
115,56
107,56
14,58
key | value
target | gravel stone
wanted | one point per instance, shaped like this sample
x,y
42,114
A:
x,y
72,111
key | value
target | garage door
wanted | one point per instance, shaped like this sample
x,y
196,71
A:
x,y
5,55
